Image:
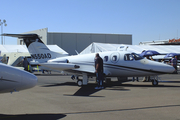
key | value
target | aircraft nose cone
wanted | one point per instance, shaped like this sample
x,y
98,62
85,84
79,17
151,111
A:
x,y
170,69
33,80
29,80
166,68
160,68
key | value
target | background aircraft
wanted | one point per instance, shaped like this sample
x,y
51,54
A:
x,y
13,79
116,63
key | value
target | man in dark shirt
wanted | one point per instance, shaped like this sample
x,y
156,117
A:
x,y
99,71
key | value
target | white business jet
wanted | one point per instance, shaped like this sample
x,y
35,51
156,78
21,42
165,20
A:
x,y
116,63
13,79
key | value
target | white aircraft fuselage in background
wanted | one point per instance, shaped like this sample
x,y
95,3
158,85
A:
x,y
116,63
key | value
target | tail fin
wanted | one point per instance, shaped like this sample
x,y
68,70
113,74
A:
x,y
38,50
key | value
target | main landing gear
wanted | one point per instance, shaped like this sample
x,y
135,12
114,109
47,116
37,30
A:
x,y
81,82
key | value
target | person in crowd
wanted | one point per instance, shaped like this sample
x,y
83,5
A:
x,y
135,78
174,63
162,61
147,78
25,64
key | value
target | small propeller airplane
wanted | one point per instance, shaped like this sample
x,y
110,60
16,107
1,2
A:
x,y
116,63
13,79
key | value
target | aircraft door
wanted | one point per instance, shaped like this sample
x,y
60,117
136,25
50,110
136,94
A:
x,y
115,57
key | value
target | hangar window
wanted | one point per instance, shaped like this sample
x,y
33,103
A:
x,y
128,57
105,58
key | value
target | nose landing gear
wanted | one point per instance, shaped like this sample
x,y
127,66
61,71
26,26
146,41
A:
x,y
154,80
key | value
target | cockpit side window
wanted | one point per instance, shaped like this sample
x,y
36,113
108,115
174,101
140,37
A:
x,y
105,58
137,56
128,57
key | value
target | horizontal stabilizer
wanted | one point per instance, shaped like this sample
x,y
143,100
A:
x,y
60,66
21,35
38,50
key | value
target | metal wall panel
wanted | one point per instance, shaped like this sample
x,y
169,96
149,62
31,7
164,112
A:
x,y
54,38
98,38
112,38
83,40
125,39
50,38
69,42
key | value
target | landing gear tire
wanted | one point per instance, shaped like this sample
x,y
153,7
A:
x,y
80,83
154,82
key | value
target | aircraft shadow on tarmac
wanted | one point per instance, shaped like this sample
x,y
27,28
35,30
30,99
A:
x,y
32,117
88,90
85,91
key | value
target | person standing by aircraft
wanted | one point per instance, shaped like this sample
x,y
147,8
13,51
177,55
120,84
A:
x,y
25,64
147,78
174,63
99,71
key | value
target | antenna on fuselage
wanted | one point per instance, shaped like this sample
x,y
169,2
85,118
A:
x,y
126,48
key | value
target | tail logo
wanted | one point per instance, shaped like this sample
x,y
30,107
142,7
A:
x,y
41,56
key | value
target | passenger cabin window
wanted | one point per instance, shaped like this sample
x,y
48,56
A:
x,y
114,58
105,58
128,57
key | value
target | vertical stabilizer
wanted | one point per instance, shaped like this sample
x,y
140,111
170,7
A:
x,y
38,50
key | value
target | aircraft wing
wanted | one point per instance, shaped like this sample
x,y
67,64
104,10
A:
x,y
86,68
69,67
59,66
21,35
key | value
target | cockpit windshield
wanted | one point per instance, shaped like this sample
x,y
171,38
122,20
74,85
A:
x,y
136,56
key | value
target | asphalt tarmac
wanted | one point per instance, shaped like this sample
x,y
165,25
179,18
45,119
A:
x,y
57,97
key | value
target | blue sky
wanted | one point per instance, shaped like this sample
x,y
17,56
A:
x,y
146,20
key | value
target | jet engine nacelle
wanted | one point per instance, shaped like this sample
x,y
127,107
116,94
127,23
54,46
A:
x,y
60,60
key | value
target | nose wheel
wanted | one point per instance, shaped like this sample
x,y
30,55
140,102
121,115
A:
x,y
154,82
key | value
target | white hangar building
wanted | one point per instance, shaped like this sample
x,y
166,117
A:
x,y
78,41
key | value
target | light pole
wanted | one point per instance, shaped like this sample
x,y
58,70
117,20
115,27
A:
x,y
2,23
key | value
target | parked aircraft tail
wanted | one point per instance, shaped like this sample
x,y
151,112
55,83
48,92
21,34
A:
x,y
38,50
